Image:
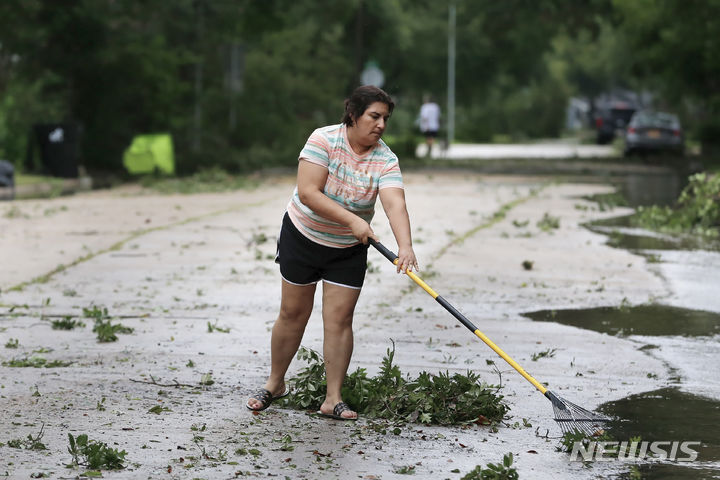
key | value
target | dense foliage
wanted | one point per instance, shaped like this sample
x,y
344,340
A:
x,y
240,84
678,59
441,399
697,210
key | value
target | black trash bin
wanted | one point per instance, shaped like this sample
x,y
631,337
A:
x,y
7,180
59,148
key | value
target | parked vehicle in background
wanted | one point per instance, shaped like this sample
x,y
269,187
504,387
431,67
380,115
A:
x,y
611,121
654,132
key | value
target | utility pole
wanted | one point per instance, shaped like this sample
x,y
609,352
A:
x,y
359,21
451,73
199,74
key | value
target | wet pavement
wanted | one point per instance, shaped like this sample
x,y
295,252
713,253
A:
x,y
175,267
682,329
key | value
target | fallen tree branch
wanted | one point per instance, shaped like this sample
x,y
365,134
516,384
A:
x,y
176,384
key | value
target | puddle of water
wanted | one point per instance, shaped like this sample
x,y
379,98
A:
x,y
669,414
662,189
653,189
641,240
672,472
621,234
652,320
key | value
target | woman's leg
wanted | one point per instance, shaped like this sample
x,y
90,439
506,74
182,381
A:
x,y
338,308
295,308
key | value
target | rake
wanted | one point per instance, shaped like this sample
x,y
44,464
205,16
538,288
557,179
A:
x,y
570,417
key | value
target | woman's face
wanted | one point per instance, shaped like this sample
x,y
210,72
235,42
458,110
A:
x,y
371,124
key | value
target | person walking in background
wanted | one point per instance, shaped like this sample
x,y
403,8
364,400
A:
x,y
429,121
324,236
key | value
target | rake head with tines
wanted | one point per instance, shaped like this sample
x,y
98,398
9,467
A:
x,y
572,418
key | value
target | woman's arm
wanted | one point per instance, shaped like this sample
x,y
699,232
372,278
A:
x,y
311,180
393,200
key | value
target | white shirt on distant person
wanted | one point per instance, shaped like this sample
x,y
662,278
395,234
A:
x,y
430,117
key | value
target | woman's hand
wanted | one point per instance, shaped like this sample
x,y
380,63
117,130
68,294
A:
x,y
362,230
407,260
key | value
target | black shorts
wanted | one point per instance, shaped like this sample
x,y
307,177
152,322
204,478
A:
x,y
304,262
430,133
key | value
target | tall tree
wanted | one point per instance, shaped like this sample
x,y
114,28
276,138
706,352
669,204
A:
x,y
676,48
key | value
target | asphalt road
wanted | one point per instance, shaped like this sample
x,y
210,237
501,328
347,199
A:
x,y
554,150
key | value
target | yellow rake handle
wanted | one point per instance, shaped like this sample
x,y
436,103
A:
x,y
455,313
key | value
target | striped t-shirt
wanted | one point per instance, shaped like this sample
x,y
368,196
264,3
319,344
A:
x,y
353,181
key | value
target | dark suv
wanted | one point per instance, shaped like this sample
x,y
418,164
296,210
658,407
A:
x,y
612,120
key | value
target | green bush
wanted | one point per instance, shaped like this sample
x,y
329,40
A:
x,y
697,210
512,111
404,145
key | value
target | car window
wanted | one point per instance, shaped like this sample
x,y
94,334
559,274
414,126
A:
x,y
659,120
622,114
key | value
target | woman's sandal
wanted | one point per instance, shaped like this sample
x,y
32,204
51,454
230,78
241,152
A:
x,y
265,397
338,411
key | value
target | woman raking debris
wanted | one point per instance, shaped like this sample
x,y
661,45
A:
x,y
324,236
